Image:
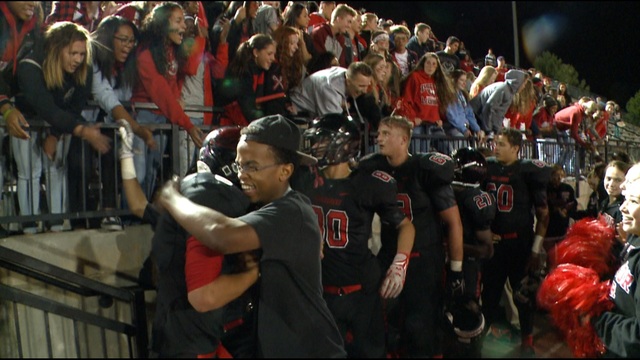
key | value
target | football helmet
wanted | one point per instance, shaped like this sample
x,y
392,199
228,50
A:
x,y
470,166
464,320
332,139
218,151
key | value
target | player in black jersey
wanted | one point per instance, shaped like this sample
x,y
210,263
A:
x,y
426,197
345,202
477,211
519,188
191,291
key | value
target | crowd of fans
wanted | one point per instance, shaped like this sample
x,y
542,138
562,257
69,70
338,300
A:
x,y
254,59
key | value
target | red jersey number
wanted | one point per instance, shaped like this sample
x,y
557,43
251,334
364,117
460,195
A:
x,y
404,202
482,201
333,227
503,196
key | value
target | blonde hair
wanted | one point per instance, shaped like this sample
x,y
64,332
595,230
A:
x,y
483,79
342,10
401,122
590,107
373,60
523,99
59,36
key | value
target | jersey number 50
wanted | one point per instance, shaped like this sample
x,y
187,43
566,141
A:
x,y
503,196
333,227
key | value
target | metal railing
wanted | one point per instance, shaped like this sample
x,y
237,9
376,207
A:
x,y
25,308
94,195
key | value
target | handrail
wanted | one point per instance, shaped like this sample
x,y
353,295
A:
x,y
30,266
68,280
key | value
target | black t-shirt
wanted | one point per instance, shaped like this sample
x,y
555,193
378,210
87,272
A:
x,y
293,318
449,62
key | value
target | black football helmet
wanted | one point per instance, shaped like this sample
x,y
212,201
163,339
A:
x,y
470,166
218,151
332,139
464,320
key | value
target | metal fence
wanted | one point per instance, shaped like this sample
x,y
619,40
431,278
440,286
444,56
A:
x,y
53,312
100,183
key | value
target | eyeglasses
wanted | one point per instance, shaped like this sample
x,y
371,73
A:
x,y
127,41
250,169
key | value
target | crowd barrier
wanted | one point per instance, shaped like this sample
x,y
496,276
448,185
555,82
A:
x,y
93,182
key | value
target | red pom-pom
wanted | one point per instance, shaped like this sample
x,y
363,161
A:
x,y
587,243
569,293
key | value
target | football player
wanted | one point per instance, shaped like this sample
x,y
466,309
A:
x,y
345,202
518,186
191,291
477,211
427,199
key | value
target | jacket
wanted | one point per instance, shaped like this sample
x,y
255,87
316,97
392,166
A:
x,y
14,46
492,103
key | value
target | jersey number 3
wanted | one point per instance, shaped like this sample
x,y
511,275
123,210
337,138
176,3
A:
x,y
333,227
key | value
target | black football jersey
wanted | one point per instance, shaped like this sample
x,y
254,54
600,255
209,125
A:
x,y
345,210
424,190
517,189
477,211
175,318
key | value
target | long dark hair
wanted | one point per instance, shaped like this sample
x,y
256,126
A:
x,y
103,56
154,34
292,14
240,63
444,87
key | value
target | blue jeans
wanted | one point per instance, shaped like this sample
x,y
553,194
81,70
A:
x,y
148,161
30,162
188,151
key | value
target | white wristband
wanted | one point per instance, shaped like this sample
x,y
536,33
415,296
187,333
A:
x,y
127,169
456,265
537,244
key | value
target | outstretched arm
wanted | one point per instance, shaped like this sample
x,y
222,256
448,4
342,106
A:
x,y
136,199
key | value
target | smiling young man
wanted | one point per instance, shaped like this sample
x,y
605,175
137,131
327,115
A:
x,y
328,91
293,318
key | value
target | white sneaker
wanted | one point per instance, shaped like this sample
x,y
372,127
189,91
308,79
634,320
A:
x,y
111,223
65,226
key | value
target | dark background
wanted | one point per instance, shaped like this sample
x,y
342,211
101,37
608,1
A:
x,y
599,39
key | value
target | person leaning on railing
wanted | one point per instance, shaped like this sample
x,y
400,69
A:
x,y
54,84
19,28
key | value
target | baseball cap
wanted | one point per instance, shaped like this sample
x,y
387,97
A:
x,y
500,58
280,132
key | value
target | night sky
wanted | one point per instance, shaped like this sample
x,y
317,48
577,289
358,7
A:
x,y
599,39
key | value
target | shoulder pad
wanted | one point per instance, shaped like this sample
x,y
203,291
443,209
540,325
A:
x,y
371,162
374,179
439,166
536,172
